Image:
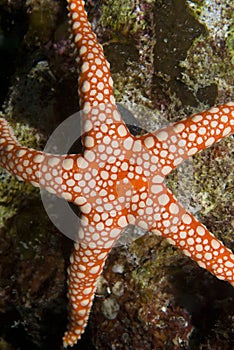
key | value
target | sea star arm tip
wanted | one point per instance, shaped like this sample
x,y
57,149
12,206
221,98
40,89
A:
x,y
87,261
170,220
187,137
41,169
95,82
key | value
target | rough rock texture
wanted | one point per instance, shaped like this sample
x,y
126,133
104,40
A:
x,y
169,59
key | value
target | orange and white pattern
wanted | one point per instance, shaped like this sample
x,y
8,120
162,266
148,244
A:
x,y
119,178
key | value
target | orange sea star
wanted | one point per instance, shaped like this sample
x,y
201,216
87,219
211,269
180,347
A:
x,y
119,178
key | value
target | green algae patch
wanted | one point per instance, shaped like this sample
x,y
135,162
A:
x,y
204,67
208,68
150,268
204,186
230,41
13,194
119,16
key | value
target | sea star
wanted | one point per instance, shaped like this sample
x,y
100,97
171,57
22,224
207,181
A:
x,y
119,178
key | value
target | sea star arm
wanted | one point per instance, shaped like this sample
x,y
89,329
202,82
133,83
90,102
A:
x,y
169,219
55,173
94,244
95,83
188,137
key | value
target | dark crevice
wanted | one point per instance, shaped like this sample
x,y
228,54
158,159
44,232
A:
x,y
13,26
